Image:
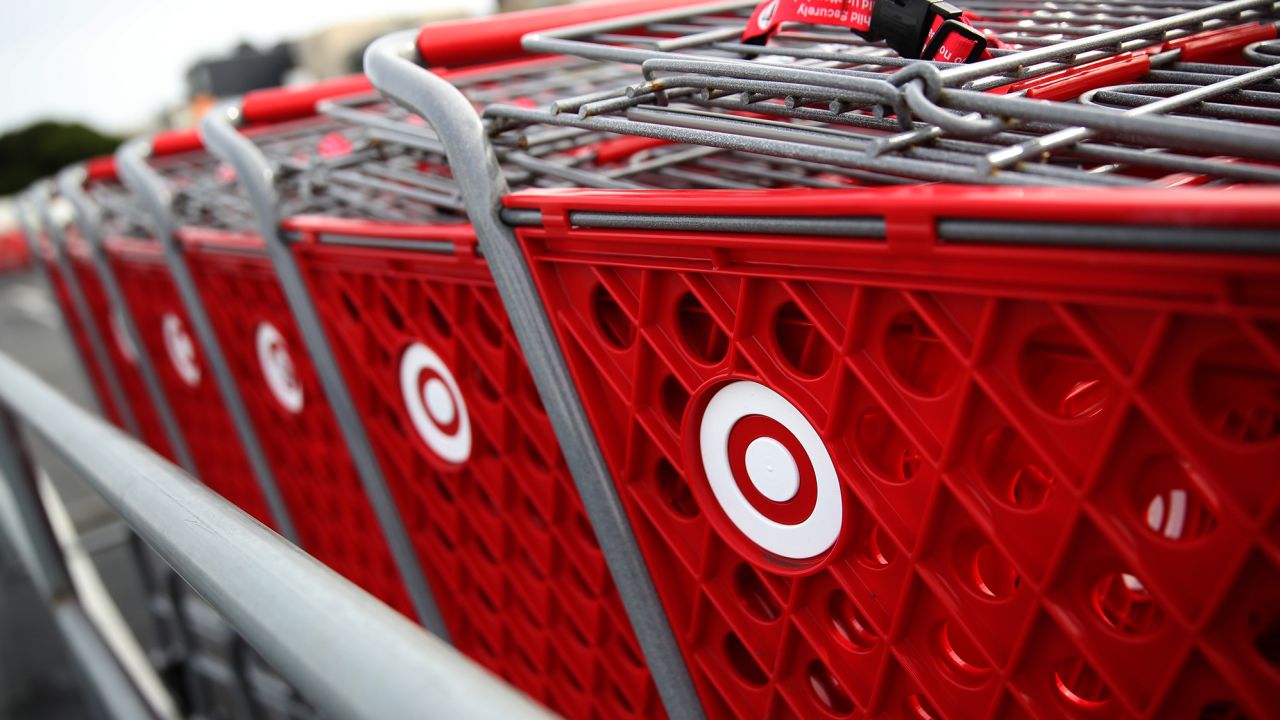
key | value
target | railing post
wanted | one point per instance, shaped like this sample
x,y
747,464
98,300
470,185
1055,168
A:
x,y
109,690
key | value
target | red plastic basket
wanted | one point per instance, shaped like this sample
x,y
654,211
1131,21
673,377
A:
x,y
439,380
169,342
283,396
947,471
76,330
123,353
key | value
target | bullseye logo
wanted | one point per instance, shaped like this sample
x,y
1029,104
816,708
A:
x,y
277,368
766,15
123,342
181,349
770,471
435,403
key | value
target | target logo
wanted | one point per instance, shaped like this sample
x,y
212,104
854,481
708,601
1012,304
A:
x,y
770,472
123,341
277,368
181,349
766,15
435,403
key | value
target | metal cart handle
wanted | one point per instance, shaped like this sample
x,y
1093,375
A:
x,y
490,39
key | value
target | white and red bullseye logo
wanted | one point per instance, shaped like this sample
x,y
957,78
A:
x,y
277,368
127,349
770,471
435,403
181,349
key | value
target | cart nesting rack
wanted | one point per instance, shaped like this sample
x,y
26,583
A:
x,y
399,312
926,451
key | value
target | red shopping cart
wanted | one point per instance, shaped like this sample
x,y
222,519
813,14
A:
x,y
135,263
370,223
259,342
45,232
152,429
931,451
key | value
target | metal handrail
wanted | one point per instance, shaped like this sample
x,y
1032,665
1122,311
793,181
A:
x,y
346,652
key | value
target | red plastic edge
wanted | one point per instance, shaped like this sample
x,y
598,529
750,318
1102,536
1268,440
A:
x,y
101,169
461,233
1209,45
175,142
1239,207
457,43
283,104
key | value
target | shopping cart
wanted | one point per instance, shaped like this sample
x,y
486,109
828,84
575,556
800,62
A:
x,y
45,228
400,313
14,254
147,405
155,334
924,451
258,344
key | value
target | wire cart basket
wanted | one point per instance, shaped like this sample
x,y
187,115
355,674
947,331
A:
x,y
938,450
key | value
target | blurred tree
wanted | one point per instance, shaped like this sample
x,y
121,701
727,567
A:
x,y
44,148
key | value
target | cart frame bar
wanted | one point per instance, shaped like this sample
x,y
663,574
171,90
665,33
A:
x,y
350,655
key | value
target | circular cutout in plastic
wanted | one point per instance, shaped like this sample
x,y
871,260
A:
x,y
701,334
769,471
278,369
435,403
1236,393
123,342
960,655
827,689
886,449
989,574
804,348
613,322
181,349
851,628
755,597
918,357
1080,685
1062,377
1123,604
1169,503
1013,472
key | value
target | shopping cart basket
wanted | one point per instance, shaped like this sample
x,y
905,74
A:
x,y
134,265
147,405
45,232
375,252
931,451
258,342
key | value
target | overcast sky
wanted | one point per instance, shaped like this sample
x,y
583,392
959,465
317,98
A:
x,y
116,63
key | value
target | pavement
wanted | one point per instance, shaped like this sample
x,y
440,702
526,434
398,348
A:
x,y
37,676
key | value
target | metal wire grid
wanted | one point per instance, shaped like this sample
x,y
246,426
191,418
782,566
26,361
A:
x,y
822,109
847,107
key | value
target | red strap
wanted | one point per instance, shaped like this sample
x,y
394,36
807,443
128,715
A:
x,y
960,41
769,17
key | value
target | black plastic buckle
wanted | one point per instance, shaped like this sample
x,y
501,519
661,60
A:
x,y
904,24
949,29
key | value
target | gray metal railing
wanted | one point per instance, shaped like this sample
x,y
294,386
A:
x,y
346,652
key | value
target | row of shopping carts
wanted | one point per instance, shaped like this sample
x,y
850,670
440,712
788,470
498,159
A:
x,y
669,373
